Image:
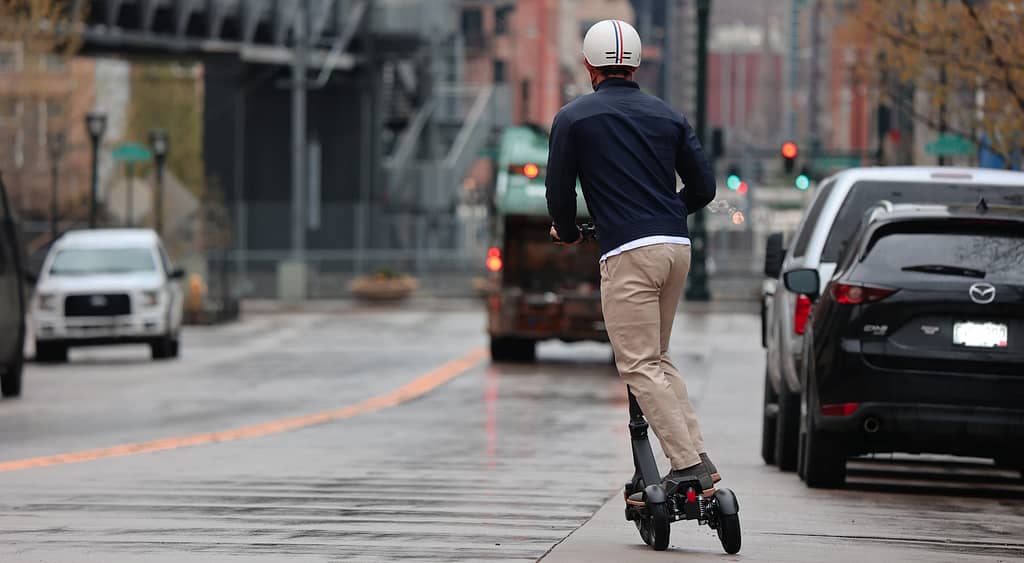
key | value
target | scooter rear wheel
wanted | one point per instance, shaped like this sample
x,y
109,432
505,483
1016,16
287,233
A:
x,y
729,532
655,527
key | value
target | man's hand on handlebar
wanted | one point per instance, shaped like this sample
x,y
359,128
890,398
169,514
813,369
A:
x,y
558,240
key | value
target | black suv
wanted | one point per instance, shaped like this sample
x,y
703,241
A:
x,y
917,342
12,301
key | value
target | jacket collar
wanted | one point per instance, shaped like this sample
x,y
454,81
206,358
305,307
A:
x,y
617,83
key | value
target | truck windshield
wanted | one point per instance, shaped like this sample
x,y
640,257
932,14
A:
x,y
88,261
865,194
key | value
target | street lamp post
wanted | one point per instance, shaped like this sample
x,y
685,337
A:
x,y
95,124
697,289
160,143
56,144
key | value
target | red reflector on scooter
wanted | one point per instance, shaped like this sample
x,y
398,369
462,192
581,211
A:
x,y
691,495
841,409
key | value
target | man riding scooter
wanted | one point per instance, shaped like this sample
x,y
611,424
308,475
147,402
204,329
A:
x,y
626,147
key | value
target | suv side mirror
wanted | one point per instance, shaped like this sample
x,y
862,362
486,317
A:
x,y
803,281
774,254
176,274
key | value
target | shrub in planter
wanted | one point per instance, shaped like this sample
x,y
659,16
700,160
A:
x,y
383,285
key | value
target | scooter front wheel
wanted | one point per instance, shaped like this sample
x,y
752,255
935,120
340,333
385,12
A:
x,y
655,526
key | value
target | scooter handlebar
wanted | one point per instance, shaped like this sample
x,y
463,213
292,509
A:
x,y
588,232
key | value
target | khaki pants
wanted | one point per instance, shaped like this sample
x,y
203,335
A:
x,y
640,291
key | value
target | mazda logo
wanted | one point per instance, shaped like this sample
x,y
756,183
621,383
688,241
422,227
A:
x,y
982,293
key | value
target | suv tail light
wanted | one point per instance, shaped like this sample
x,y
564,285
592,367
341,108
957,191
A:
x,y
839,409
802,312
494,259
850,294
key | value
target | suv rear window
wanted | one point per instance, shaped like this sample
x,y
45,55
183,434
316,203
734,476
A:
x,y
996,255
865,194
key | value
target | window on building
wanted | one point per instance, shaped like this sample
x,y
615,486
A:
x,y
503,19
499,71
53,62
10,57
525,97
8,109
54,110
473,27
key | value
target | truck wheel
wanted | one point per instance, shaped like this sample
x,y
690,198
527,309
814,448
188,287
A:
x,y
769,416
51,352
787,431
164,348
10,379
513,349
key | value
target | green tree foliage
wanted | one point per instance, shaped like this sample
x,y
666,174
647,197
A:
x,y
169,96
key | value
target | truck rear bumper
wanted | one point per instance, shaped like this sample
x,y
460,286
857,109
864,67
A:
x,y
568,317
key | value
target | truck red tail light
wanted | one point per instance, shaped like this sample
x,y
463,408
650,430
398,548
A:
x,y
850,294
801,313
494,263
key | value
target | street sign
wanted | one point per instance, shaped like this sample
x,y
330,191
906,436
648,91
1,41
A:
x,y
950,145
131,152
833,162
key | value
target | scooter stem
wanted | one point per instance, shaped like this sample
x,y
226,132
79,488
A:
x,y
643,456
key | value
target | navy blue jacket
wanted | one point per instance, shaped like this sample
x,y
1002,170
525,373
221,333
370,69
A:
x,y
626,148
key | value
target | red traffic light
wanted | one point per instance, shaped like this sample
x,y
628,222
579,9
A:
x,y
789,150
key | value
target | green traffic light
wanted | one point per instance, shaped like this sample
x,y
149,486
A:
x,y
802,182
733,181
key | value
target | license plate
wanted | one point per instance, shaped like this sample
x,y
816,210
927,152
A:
x,y
980,335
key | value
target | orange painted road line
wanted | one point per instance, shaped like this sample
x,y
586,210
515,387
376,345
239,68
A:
x,y
415,388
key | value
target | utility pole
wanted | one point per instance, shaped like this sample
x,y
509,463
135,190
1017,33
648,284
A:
x,y
697,289
293,274
814,127
299,60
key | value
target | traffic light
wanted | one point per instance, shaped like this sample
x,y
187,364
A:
x,y
733,181
789,153
803,181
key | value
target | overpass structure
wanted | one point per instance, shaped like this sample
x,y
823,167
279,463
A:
x,y
342,123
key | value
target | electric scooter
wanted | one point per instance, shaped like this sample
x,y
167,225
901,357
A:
x,y
653,504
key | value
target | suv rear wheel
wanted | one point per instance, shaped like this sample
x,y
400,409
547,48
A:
x,y
513,349
769,416
822,456
787,430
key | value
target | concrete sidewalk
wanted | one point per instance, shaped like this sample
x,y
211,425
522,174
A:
x,y
783,520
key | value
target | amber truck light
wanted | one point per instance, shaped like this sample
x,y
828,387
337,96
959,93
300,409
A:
x,y
531,170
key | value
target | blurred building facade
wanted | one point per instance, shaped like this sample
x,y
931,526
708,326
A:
x,y
40,95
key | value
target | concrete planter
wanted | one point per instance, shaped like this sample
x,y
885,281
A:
x,y
378,288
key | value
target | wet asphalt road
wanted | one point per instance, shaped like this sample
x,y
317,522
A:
x,y
476,462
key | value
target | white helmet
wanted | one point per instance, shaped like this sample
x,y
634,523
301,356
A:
x,y
612,43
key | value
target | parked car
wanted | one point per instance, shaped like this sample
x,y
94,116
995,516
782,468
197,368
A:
x,y
107,286
12,301
828,225
916,344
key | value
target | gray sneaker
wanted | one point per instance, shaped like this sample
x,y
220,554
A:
x,y
715,476
698,473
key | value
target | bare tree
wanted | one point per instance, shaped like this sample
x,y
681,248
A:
x,y
966,56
